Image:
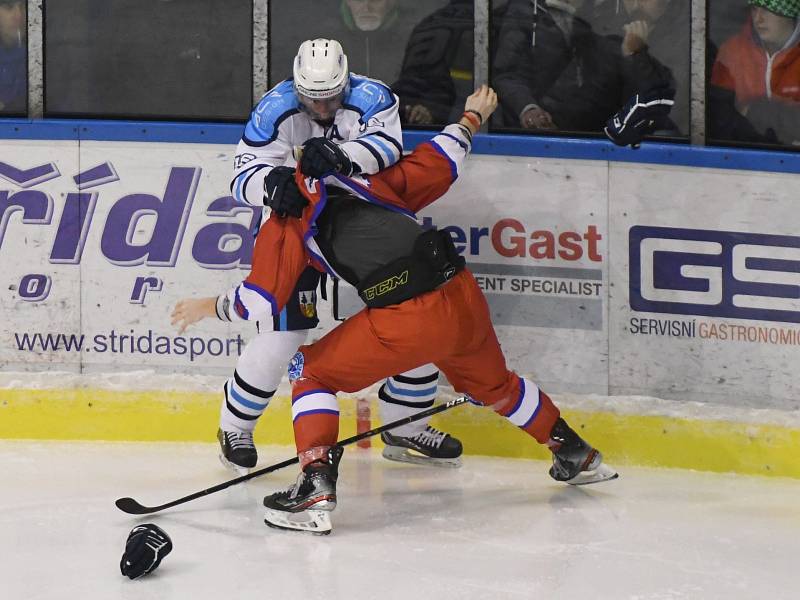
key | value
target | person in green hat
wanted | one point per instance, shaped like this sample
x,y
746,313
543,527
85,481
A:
x,y
761,67
775,23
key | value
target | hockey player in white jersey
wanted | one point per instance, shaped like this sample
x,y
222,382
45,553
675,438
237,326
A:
x,y
360,115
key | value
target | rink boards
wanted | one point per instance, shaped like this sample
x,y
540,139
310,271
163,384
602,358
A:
x,y
610,278
625,439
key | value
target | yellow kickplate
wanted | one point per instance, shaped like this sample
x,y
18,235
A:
x,y
90,414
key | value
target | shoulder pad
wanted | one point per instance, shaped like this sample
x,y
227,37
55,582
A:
x,y
277,104
368,96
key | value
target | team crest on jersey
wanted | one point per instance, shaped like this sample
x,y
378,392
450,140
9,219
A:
x,y
242,159
296,366
308,303
333,133
373,122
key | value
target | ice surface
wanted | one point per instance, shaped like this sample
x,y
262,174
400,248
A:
x,y
494,529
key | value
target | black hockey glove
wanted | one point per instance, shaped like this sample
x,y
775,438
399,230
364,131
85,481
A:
x,y
147,545
641,116
321,157
281,193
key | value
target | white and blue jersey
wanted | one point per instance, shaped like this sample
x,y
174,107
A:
x,y
367,127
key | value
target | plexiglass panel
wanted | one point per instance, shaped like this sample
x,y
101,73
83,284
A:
x,y
423,49
566,66
187,59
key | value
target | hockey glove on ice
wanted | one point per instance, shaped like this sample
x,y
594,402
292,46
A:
x,y
321,157
281,193
147,545
641,116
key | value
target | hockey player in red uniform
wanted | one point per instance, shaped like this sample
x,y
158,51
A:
x,y
423,305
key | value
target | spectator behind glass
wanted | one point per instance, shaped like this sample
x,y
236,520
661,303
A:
x,y
376,31
436,75
553,72
373,33
13,57
665,26
369,15
758,71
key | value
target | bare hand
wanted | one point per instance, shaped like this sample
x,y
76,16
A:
x,y
537,118
192,310
483,101
636,34
418,115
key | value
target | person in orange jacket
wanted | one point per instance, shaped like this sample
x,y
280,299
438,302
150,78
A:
x,y
760,66
423,305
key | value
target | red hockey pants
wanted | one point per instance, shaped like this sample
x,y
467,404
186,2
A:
x,y
449,327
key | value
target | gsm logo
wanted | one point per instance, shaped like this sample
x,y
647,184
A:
x,y
715,273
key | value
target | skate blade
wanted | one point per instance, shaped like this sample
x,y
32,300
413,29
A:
x,y
317,522
407,455
232,466
601,473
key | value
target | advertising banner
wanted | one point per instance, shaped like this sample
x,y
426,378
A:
x,y
705,285
533,232
98,245
99,242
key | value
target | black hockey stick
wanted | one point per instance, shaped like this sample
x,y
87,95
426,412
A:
x,y
132,507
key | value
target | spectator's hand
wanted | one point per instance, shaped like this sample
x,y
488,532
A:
x,y
418,115
322,156
635,39
483,101
192,310
642,115
537,118
281,193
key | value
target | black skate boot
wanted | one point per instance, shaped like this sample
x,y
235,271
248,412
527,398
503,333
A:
x,y
428,447
307,504
237,450
575,461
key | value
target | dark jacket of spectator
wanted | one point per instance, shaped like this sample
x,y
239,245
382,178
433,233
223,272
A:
x,y
13,57
437,67
13,79
668,42
579,77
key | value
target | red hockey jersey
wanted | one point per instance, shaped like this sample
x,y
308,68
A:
x,y
285,246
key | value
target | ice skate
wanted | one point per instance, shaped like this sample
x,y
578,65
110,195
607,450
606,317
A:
x,y
307,504
237,451
574,461
429,447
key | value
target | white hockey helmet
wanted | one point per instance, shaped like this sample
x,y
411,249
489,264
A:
x,y
320,69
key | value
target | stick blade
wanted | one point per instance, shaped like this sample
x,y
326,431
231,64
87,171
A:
x,y
131,506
